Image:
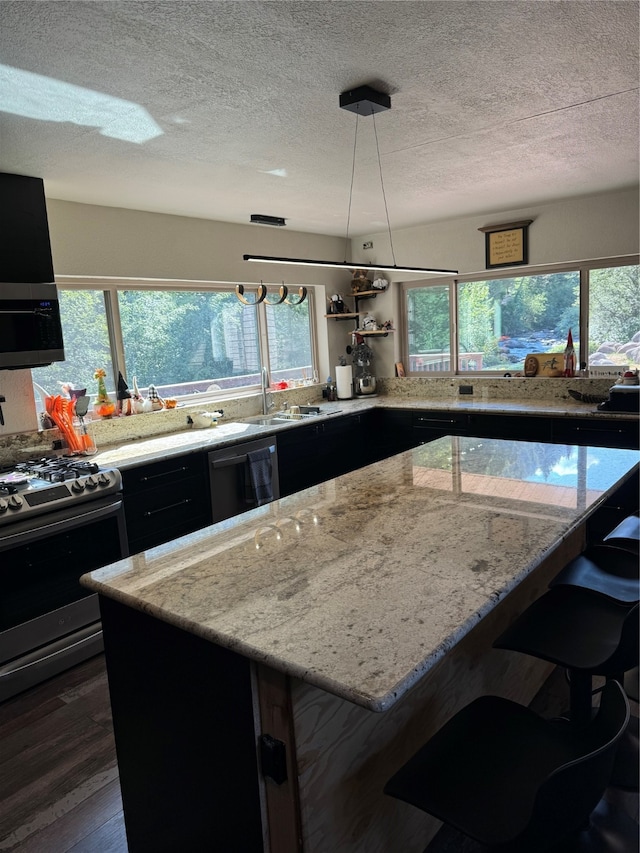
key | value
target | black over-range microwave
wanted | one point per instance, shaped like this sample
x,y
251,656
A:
x,y
30,328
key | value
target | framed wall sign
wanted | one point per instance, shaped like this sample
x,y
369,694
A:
x,y
506,245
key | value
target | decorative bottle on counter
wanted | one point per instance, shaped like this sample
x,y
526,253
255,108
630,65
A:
x,y
569,358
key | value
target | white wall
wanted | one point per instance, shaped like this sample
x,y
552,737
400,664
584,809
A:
x,y
600,226
107,241
578,229
101,241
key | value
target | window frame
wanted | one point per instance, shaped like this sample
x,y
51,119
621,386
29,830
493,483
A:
x,y
109,286
583,268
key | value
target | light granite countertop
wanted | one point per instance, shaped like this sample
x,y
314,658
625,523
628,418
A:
x,y
361,584
132,453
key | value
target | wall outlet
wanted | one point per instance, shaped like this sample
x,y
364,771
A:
x,y
368,244
465,389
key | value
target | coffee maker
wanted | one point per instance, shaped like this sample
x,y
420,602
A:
x,y
364,382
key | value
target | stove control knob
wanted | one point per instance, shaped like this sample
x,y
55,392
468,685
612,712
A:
x,y
91,482
15,502
77,486
3,505
103,479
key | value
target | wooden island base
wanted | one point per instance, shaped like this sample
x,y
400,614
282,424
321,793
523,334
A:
x,y
188,715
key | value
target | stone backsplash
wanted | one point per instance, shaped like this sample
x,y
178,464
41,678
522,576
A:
x,y
493,388
114,431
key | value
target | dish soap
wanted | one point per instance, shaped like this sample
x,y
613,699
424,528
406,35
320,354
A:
x,y
569,358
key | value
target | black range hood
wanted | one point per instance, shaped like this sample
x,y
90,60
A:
x,y
30,329
25,249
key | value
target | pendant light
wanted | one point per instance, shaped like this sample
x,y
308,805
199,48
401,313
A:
x,y
363,101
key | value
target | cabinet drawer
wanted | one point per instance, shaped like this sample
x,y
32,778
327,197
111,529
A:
x,y
515,427
164,500
165,513
159,474
599,433
430,425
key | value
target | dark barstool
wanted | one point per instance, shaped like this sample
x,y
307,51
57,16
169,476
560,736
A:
x,y
589,634
608,569
626,535
504,776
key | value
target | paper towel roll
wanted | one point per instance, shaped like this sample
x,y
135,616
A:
x,y
344,382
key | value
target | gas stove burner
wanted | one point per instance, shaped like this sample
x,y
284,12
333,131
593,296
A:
x,y
57,469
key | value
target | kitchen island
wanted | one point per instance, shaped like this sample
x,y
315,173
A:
x,y
318,640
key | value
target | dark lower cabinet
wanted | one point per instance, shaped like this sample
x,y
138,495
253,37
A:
x,y
185,737
164,500
390,431
313,453
430,425
598,433
514,427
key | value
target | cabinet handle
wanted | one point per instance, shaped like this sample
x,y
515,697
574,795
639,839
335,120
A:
x,y
151,512
436,420
163,474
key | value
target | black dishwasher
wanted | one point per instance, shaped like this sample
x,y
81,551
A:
x,y
228,477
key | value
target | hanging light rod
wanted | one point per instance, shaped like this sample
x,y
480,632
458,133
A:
x,y
303,262
363,101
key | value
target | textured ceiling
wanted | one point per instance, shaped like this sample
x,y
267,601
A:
x,y
223,109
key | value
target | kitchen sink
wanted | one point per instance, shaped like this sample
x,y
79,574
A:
x,y
268,420
286,417
279,418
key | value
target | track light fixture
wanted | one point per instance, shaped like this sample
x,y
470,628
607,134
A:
x,y
364,101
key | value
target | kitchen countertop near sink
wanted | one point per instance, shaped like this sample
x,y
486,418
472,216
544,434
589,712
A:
x,y
133,453
360,585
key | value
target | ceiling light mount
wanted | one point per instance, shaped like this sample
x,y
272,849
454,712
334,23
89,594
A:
x,y
365,101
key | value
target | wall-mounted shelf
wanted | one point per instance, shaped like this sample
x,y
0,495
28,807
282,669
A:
x,y
366,294
341,316
355,315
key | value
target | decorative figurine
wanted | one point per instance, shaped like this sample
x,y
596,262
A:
x,y
360,282
336,305
123,395
369,323
136,397
104,406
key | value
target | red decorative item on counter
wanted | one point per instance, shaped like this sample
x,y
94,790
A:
x,y
569,358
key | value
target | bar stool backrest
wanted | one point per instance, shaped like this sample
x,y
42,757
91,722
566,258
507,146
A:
x,y
571,792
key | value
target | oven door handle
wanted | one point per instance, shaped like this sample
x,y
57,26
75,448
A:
x,y
39,531
41,657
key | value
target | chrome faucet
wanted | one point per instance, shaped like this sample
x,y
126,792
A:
x,y
267,398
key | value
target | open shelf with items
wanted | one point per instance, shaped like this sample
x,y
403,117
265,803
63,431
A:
x,y
355,315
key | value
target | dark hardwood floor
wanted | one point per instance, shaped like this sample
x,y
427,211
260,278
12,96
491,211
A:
x,y
59,790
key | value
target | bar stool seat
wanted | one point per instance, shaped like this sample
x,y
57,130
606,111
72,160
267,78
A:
x,y
626,535
504,776
589,634
610,570
578,629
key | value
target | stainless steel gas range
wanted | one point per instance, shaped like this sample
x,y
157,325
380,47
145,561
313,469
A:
x,y
59,518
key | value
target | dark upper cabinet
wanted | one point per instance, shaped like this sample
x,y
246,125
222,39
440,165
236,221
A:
x,y
25,249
